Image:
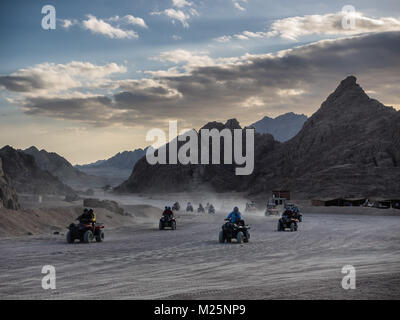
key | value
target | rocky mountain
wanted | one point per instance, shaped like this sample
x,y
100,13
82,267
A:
x,y
178,178
349,147
27,177
283,127
8,195
116,169
122,160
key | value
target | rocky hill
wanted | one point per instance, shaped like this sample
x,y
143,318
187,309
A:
x,y
8,195
63,169
349,147
178,178
27,177
283,127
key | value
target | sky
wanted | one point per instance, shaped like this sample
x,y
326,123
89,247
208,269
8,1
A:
x,y
111,71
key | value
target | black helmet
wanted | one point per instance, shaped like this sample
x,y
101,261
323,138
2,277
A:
x,y
235,209
86,210
91,211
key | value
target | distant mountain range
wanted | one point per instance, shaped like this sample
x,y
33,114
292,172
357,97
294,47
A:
x,y
283,128
349,148
122,160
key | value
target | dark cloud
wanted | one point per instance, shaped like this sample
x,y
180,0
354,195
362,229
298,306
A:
x,y
297,80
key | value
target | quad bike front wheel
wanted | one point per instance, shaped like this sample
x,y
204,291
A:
x,y
292,227
173,225
100,236
240,237
88,236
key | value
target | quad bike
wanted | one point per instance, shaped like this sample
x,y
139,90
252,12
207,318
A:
x,y
211,209
167,222
201,209
85,232
176,206
189,208
238,231
287,222
251,207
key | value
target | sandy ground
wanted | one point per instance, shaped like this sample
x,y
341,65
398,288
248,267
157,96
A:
x,y
137,261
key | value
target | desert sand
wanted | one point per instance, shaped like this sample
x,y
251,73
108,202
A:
x,y
137,261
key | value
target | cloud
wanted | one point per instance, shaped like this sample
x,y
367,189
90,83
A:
x,y
130,19
53,79
293,28
181,3
297,79
66,23
237,4
99,26
183,13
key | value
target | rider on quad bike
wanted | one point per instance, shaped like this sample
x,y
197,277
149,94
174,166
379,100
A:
x,y
87,230
189,207
234,228
176,206
288,220
211,209
200,209
167,219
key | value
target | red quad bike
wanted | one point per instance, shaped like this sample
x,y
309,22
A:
x,y
167,222
85,232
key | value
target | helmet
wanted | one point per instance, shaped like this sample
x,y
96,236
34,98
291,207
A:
x,y
91,211
86,210
236,209
166,208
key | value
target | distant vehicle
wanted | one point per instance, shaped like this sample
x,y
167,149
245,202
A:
x,y
85,232
251,206
211,209
200,209
189,207
275,206
238,231
176,206
167,222
288,221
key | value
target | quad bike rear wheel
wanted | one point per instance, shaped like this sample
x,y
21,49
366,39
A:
x,y
69,237
100,236
279,226
161,225
221,237
88,236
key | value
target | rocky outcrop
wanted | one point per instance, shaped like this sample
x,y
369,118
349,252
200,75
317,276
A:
x,y
27,177
8,195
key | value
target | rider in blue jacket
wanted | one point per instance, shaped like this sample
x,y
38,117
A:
x,y
234,216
